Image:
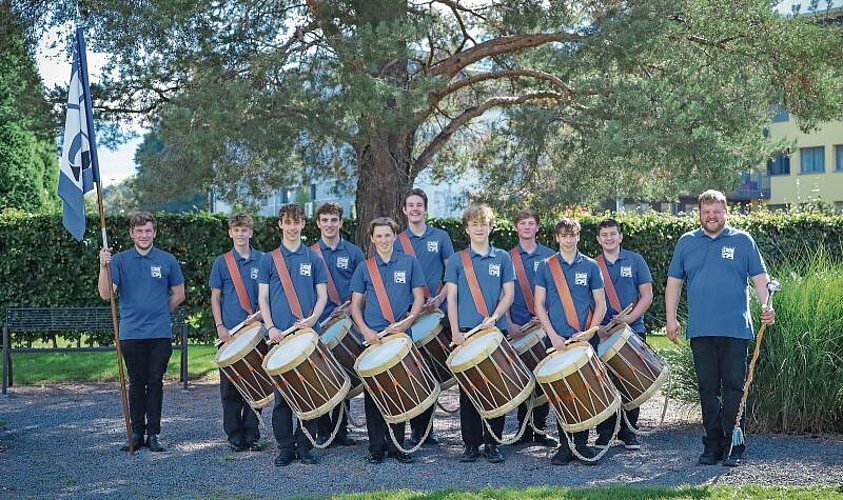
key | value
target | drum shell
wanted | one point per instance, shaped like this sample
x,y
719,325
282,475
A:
x,y
637,371
246,372
402,388
435,348
346,347
498,382
315,385
532,350
582,394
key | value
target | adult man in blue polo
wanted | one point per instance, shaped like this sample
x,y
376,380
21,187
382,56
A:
x,y
150,286
432,247
300,304
628,281
717,261
235,269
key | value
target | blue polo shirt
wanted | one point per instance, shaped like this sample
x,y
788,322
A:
x,y
492,270
717,272
432,249
519,312
627,273
143,284
306,271
583,277
232,312
341,262
400,276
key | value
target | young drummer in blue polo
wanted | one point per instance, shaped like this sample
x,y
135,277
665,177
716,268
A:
x,y
307,273
402,279
717,261
530,253
628,274
341,258
432,247
239,420
585,291
495,276
150,286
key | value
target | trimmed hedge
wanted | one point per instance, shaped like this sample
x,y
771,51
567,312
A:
x,y
42,265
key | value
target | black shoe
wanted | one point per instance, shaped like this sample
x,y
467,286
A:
x,y
710,456
736,457
413,440
400,456
255,446
431,439
587,452
526,438
321,440
492,454
630,442
563,456
344,440
374,458
153,444
470,454
603,442
306,457
284,458
545,440
238,446
137,443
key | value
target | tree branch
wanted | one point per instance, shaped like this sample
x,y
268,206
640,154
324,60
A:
x,y
437,96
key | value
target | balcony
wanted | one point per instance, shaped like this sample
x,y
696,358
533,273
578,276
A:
x,y
751,187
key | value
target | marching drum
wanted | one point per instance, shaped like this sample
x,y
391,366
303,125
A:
x,y
531,349
578,387
240,359
397,378
344,340
306,374
433,337
636,369
491,373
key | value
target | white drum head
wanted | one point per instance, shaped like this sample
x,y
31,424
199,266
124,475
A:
x,y
383,355
333,330
424,325
242,342
610,346
289,350
474,347
560,364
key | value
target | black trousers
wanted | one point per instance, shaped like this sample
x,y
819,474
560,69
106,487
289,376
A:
x,y
720,363
146,363
419,423
606,427
376,428
283,422
474,432
540,414
239,421
325,424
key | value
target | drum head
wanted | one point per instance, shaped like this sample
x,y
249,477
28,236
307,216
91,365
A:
x,y
241,344
609,347
533,335
561,364
334,331
426,327
474,350
380,357
290,352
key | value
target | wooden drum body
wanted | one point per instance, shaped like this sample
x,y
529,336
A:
x,y
345,342
397,378
638,372
306,374
531,349
491,373
432,336
241,360
577,385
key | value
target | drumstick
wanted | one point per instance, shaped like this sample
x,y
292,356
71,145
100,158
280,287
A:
x,y
613,324
253,318
470,333
574,343
284,334
381,334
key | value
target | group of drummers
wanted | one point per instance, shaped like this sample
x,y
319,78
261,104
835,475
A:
x,y
308,328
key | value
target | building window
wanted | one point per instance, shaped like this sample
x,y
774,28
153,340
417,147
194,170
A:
x,y
781,115
838,157
812,160
780,165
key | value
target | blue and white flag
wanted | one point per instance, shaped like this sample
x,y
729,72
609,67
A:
x,y
78,163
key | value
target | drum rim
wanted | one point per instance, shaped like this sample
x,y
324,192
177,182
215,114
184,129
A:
x,y
389,363
578,363
615,346
434,331
510,405
246,349
593,421
530,338
344,328
416,410
296,360
327,406
649,393
480,356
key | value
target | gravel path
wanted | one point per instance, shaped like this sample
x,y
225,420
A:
x,y
62,442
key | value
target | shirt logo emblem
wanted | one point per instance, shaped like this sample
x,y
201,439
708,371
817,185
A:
x,y
342,262
400,276
304,269
432,246
253,273
536,265
494,270
728,253
156,271
581,279
626,271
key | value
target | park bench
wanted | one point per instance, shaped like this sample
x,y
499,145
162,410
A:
x,y
57,320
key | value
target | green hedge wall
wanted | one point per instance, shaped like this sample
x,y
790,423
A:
x,y
42,265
